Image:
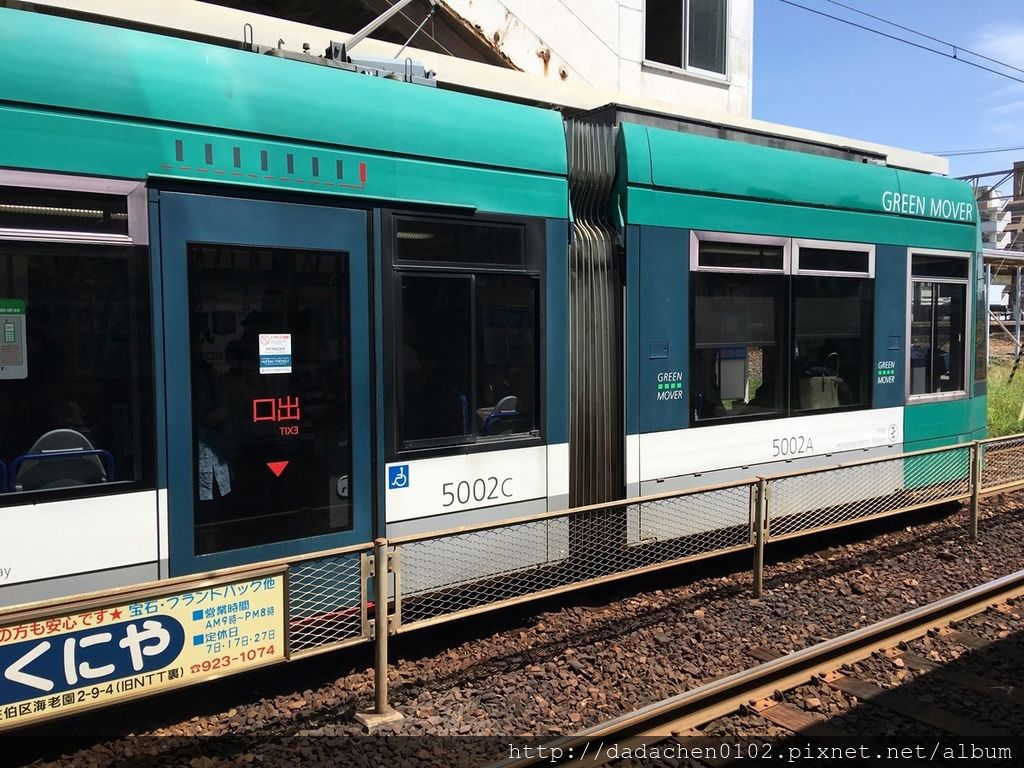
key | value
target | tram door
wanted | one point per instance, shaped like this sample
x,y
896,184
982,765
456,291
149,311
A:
x,y
266,375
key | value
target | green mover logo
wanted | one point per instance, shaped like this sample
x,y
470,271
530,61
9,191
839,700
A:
x,y
886,372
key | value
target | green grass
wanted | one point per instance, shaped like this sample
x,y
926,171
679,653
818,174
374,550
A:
x,y
1005,398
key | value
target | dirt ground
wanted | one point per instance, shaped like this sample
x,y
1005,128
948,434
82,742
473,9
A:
x,y
1000,345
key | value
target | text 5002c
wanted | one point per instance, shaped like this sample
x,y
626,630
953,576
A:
x,y
481,489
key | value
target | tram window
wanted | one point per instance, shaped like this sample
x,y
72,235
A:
x,y
938,330
270,383
439,242
468,366
75,369
747,256
771,338
832,328
834,260
63,211
939,266
437,356
737,365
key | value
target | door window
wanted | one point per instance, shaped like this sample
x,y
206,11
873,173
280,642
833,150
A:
x,y
938,324
271,410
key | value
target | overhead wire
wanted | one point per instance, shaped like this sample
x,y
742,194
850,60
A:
x,y
903,40
913,31
966,152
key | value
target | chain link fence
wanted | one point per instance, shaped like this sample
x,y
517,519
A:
x,y
1002,464
447,575
827,498
327,602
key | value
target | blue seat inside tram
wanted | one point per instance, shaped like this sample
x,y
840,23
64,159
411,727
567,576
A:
x,y
61,458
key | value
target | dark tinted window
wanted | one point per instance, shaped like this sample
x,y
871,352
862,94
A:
x,y
443,242
271,409
832,352
75,368
940,266
741,255
937,337
828,260
468,359
664,31
436,357
738,361
981,334
58,211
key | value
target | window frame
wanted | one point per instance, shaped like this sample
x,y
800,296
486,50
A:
x,y
696,236
686,68
790,269
135,242
533,266
133,191
969,299
833,245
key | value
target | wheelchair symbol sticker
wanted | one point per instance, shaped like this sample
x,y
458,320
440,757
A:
x,y
398,477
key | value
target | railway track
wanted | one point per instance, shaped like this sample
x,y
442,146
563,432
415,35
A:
x,y
753,700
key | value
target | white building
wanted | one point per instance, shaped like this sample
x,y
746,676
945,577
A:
x,y
696,53
996,217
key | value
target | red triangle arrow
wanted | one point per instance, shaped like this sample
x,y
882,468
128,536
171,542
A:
x,y
277,467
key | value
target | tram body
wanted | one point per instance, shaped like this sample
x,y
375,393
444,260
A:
x,y
255,308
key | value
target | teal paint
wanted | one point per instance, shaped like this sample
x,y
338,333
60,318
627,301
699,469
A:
x,y
662,311
890,321
47,141
715,167
686,210
134,104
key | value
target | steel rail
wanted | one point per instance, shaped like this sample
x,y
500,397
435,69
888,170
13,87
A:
x,y
660,720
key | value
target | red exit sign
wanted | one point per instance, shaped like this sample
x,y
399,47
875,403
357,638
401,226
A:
x,y
276,410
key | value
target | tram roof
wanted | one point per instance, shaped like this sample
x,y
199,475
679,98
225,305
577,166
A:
x,y
101,70
207,20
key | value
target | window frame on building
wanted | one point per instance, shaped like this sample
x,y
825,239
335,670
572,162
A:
x,y
685,48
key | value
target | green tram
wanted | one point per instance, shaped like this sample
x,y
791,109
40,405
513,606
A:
x,y
255,308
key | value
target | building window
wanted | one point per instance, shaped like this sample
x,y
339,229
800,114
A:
x,y
466,334
938,323
690,34
776,336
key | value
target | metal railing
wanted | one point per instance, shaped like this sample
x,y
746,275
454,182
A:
x,y
328,602
333,599
450,574
454,573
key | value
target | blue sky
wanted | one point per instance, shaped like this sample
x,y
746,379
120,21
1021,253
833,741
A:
x,y
813,72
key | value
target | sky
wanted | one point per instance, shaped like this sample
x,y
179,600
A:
x,y
817,73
